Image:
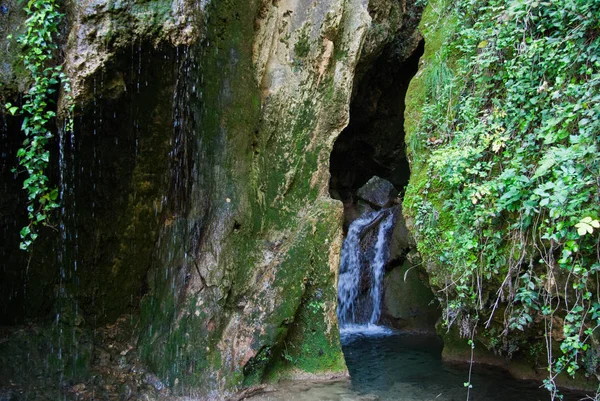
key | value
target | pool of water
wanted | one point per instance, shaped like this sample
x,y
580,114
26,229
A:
x,y
390,365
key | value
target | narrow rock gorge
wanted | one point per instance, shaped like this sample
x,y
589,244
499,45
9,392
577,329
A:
x,y
218,156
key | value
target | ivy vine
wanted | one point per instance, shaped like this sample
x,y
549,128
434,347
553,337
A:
x,y
38,50
511,202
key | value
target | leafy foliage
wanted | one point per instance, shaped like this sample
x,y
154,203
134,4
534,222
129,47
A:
x,y
38,49
511,124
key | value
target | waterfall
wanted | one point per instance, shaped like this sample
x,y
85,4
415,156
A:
x,y
378,265
356,262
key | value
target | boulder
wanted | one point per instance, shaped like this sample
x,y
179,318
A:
x,y
378,192
400,240
408,303
363,207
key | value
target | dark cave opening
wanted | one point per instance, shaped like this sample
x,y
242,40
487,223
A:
x,y
373,142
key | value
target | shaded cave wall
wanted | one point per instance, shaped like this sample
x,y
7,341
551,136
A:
x,y
12,217
89,267
123,60
111,176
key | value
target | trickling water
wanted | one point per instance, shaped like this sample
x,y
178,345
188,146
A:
x,y
353,263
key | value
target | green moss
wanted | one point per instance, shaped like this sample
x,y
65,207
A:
x,y
437,27
13,75
184,352
311,343
302,46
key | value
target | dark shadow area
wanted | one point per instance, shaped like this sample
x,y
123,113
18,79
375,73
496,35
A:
x,y
373,142
111,174
116,170
13,215
67,309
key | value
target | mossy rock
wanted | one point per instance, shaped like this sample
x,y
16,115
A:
x,y
408,302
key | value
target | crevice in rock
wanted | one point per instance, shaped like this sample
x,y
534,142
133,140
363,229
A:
x,y
373,142
369,172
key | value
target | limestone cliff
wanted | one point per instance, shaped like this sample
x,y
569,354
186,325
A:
x,y
196,182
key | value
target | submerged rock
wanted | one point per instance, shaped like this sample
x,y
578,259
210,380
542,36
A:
x,y
378,192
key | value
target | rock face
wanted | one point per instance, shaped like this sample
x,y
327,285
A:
x,y
11,78
255,258
401,241
408,303
101,29
253,245
378,192
197,180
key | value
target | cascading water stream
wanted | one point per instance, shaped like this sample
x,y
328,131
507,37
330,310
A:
x,y
353,263
378,265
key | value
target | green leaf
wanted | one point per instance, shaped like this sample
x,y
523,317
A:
x,y
545,166
25,231
586,226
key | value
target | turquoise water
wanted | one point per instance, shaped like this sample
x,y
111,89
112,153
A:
x,y
389,365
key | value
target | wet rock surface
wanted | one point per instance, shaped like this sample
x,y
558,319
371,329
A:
x,y
401,241
115,371
378,192
408,302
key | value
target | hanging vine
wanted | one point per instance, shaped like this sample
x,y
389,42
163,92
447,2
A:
x,y
38,50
